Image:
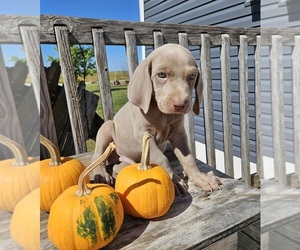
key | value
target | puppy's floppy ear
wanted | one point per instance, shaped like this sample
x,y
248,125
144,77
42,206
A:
x,y
140,86
198,92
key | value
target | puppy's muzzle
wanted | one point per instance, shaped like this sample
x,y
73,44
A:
x,y
179,105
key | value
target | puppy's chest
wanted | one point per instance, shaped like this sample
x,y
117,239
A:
x,y
162,130
163,126
162,135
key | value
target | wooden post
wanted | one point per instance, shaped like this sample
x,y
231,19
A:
x,y
244,109
226,103
70,85
9,120
31,40
131,51
47,126
278,109
208,100
296,106
103,74
188,118
258,138
158,39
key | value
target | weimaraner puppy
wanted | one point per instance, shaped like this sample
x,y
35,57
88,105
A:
x,y
159,94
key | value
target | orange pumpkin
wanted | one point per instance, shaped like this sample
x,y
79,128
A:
x,y
25,221
146,190
57,174
18,176
86,216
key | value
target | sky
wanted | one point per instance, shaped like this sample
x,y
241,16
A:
x,y
127,10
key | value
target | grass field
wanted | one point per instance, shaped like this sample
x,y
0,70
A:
x,y
119,95
119,75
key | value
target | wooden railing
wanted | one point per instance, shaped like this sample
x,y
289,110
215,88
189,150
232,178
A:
x,y
65,31
277,41
100,33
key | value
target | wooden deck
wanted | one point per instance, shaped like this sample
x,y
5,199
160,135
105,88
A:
x,y
280,216
191,223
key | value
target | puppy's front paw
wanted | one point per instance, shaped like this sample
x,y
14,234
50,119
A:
x,y
208,182
103,177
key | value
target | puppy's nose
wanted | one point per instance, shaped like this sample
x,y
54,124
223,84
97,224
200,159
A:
x,y
179,105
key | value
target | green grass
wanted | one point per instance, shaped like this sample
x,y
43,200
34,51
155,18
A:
x,y
119,96
119,93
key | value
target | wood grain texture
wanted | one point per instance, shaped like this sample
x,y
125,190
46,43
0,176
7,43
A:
x,y
258,145
228,243
114,31
9,29
103,74
88,103
29,119
158,39
226,101
279,241
62,124
296,103
47,127
188,118
25,105
280,205
278,109
131,51
6,242
245,242
64,51
207,103
31,42
9,120
52,76
244,109
289,233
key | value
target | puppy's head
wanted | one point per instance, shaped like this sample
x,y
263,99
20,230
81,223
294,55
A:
x,y
168,75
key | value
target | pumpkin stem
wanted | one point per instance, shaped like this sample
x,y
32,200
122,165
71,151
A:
x,y
145,159
53,151
19,153
82,187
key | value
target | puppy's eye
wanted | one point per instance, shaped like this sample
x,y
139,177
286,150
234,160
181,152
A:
x,y
192,77
162,75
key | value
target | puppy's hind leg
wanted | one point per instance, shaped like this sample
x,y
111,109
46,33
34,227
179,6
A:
x,y
105,135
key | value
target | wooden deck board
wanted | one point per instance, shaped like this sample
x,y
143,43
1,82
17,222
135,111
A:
x,y
280,216
279,205
6,242
193,221
291,231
